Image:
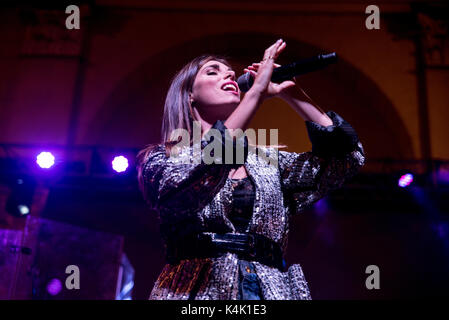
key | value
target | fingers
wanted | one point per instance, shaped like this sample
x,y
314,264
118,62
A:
x,y
272,51
270,55
253,73
279,89
255,66
250,70
287,84
280,49
274,45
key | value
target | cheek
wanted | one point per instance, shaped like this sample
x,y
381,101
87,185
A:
x,y
206,90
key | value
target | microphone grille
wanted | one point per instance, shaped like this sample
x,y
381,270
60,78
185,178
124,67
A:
x,y
245,82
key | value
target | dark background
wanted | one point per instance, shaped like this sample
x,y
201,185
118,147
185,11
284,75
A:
x,y
91,93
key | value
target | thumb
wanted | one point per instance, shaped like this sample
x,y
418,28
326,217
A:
x,y
287,84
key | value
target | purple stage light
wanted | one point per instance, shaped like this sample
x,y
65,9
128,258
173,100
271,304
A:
x,y
45,160
443,175
442,229
54,286
405,180
120,164
322,207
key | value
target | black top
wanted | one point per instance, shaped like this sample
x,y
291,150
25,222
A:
x,y
242,206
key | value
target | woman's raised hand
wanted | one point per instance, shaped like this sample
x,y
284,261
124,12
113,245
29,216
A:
x,y
262,72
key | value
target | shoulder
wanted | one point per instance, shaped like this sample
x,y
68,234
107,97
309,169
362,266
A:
x,y
152,158
174,155
156,153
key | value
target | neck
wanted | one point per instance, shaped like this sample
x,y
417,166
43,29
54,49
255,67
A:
x,y
205,125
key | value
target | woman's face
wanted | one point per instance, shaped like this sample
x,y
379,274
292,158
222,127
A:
x,y
215,91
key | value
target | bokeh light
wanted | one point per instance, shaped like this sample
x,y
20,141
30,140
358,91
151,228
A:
x,y
54,286
120,164
23,209
45,160
405,180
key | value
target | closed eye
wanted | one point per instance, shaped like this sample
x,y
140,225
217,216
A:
x,y
211,73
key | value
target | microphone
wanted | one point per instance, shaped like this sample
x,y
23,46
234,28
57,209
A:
x,y
288,71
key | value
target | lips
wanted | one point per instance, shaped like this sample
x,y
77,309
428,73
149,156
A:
x,y
234,84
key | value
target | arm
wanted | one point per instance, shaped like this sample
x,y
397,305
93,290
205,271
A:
x,y
329,133
179,187
243,114
297,99
295,96
336,156
260,90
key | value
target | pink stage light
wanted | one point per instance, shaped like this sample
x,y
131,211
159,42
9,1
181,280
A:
x,y
405,180
54,286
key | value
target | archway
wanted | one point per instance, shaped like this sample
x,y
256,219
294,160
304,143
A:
x,y
131,115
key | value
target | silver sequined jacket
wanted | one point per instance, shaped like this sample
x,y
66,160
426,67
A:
x,y
197,198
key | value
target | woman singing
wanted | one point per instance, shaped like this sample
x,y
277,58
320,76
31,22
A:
x,y
225,225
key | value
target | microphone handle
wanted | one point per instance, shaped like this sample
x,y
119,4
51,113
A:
x,y
291,70
287,72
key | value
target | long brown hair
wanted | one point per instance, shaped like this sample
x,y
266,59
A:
x,y
178,113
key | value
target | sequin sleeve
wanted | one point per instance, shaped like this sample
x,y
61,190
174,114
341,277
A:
x,y
337,155
182,184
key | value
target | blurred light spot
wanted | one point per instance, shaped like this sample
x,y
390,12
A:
x,y
120,164
443,175
23,209
442,230
321,207
405,180
45,160
54,286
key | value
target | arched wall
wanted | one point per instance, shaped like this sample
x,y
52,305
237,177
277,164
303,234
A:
x,y
132,113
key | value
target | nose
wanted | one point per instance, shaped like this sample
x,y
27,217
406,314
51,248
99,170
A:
x,y
232,73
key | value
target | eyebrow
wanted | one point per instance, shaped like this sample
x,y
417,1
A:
x,y
215,66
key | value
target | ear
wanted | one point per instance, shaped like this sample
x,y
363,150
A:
x,y
192,100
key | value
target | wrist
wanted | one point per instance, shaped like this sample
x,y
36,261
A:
x,y
288,95
255,93
284,96
291,92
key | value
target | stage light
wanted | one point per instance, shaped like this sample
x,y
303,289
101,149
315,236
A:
x,y
443,174
23,209
405,180
321,207
120,164
45,160
54,286
21,198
